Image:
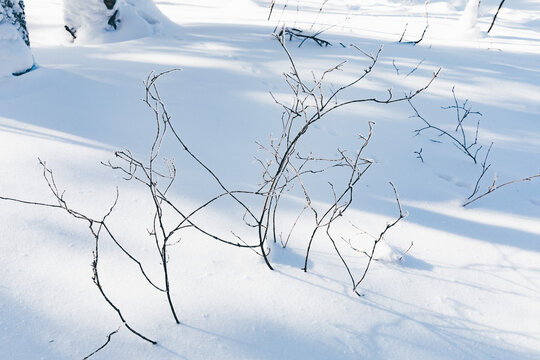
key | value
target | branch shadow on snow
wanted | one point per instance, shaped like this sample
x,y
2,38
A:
x,y
94,93
505,229
93,98
437,335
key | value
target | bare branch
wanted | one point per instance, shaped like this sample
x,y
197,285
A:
x,y
494,187
460,140
485,168
495,16
299,34
102,346
423,33
406,252
381,237
271,9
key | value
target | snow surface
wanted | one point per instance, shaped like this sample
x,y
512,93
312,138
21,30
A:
x,y
468,288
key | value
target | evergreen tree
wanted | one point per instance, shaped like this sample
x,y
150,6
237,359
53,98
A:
x,y
15,54
13,12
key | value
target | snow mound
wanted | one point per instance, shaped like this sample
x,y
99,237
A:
x,y
92,21
387,254
469,20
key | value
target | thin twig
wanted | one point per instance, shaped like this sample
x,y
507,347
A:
x,y
494,187
102,346
460,140
419,155
423,33
495,16
485,168
299,34
406,252
381,237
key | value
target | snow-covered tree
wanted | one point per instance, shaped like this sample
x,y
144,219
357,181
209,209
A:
x,y
469,18
468,23
15,54
112,20
13,13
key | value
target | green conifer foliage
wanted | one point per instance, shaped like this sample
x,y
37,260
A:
x,y
13,12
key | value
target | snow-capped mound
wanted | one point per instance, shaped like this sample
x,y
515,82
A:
x,y
97,21
15,54
469,20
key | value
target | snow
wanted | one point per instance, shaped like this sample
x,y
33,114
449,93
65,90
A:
x,y
15,56
469,18
134,19
468,287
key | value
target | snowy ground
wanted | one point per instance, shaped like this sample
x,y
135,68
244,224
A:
x,y
468,288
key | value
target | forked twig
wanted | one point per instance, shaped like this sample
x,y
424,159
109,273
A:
x,y
380,238
95,227
494,187
414,42
459,137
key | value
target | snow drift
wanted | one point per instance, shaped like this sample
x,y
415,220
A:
x,y
97,21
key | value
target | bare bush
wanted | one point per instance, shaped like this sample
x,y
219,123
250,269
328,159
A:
x,y
311,102
467,144
463,140
96,228
460,138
